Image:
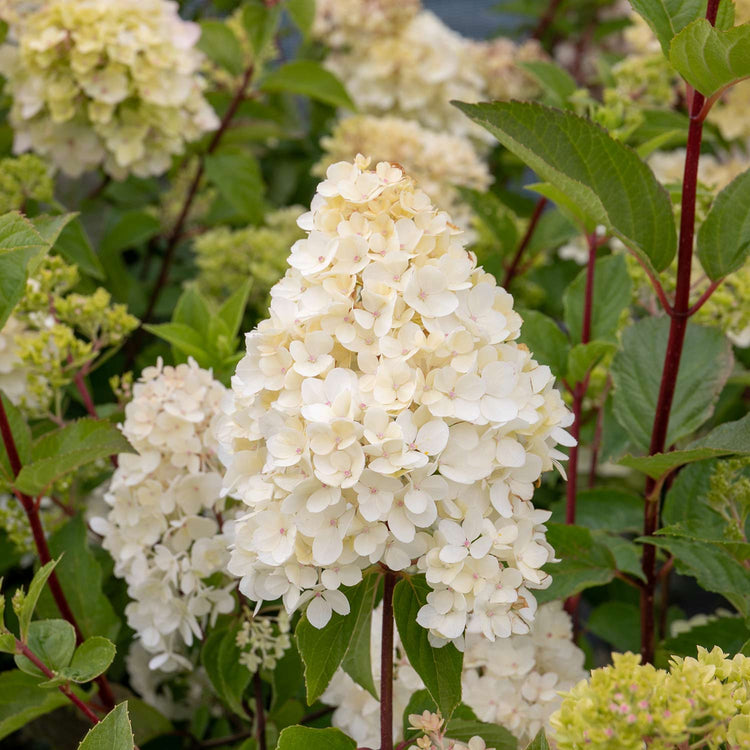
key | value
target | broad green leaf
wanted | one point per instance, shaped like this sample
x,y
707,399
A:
x,y
357,662
308,738
63,451
308,78
221,659
21,249
22,700
193,310
50,226
636,370
583,357
539,742
113,732
585,562
219,43
21,437
728,633
617,623
81,579
612,293
184,338
605,509
724,235
439,668
686,506
627,554
493,735
32,597
711,59
546,341
7,643
302,12
712,567
236,174
52,641
147,722
566,205
323,650
130,229
261,21
74,245
725,440
90,659
557,83
668,17
602,176
233,310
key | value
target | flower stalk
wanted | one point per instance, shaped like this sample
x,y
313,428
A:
x,y
386,664
512,270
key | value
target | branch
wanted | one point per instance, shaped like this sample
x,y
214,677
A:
x,y
530,229
655,283
386,664
704,297
260,713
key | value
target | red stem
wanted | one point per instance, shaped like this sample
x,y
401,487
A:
x,y
655,283
260,713
704,297
598,433
88,402
546,20
530,229
386,664
673,355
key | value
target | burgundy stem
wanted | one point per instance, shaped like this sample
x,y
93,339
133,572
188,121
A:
x,y
546,20
83,391
673,355
530,229
386,664
260,712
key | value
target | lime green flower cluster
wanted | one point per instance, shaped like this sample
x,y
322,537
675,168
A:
x,y
701,702
729,496
54,333
226,257
22,179
110,83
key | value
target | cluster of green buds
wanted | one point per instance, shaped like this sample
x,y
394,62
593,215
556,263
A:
x,y
729,496
703,702
23,179
226,257
262,639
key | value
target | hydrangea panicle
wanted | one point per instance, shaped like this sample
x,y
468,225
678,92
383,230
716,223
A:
x,y
385,413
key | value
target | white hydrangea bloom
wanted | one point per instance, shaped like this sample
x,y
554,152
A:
x,y
438,161
513,682
344,23
164,526
13,375
110,82
385,413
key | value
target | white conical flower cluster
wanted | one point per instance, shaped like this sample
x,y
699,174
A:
x,y
110,82
384,413
165,523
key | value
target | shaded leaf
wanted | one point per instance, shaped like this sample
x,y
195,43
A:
x,y
308,738
22,700
545,339
220,657
309,78
221,46
236,174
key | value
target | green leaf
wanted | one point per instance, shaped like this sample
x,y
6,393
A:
x,y
21,437
728,633
308,78
233,310
493,735
302,12
221,659
539,742
617,623
712,567
612,293
81,579
22,700
636,370
90,659
557,83
184,338
323,650
21,249
602,176
50,226
287,678
52,641
668,17
439,668
585,562
113,732
193,310
357,662
627,554
605,509
711,59
74,245
130,229
32,597
686,506
547,342
65,450
724,235
308,738
219,43
261,21
583,357
147,722
236,174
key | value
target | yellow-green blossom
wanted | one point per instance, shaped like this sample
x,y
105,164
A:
x,y
21,179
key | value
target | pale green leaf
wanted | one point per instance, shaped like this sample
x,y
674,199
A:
x,y
302,12
233,310
308,78
184,338
236,174
52,642
557,83
547,342
583,357
308,738
32,597
261,20
219,43
221,659
539,742
113,732
22,700
668,17
90,659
